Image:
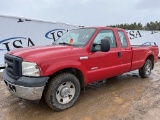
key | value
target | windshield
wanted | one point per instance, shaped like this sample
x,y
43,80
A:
x,y
77,37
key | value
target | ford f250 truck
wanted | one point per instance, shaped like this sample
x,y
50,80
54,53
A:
x,y
79,57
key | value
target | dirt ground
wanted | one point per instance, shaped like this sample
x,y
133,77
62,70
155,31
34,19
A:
x,y
126,97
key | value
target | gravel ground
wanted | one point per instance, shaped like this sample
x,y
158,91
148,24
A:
x,y
126,97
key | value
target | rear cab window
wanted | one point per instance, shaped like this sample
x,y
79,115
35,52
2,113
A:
x,y
123,39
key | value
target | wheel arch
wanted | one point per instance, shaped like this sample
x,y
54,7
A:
x,y
151,57
78,73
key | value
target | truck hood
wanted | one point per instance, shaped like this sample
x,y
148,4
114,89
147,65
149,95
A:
x,y
35,54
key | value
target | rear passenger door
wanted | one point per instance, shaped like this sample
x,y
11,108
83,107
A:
x,y
125,52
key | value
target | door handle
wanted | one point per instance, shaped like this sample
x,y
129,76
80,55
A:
x,y
119,54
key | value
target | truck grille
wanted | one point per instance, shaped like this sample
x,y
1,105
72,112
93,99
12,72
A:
x,y
13,66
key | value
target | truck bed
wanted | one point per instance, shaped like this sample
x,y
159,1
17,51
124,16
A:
x,y
139,54
133,46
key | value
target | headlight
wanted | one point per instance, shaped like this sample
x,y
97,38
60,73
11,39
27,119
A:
x,y
30,69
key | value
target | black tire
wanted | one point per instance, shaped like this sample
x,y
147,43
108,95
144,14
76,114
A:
x,y
57,87
145,71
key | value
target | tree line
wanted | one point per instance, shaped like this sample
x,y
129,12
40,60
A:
x,y
138,26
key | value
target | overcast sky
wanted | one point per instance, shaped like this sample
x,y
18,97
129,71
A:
x,y
84,12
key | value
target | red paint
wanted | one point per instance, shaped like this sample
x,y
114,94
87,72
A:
x,y
54,58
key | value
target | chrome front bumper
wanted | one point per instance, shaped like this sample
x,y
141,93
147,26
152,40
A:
x,y
28,93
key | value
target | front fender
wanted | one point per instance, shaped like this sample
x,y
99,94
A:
x,y
55,67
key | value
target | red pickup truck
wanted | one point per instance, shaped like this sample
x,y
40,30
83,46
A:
x,y
79,57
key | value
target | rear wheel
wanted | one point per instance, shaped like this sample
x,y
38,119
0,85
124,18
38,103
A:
x,y
62,91
145,71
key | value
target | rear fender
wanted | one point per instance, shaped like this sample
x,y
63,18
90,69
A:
x,y
150,53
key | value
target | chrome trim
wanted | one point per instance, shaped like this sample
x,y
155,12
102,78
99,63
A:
x,y
84,58
28,93
94,68
6,65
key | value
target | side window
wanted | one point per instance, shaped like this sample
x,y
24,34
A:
x,y
122,39
106,34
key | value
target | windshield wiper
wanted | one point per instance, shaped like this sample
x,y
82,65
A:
x,y
64,43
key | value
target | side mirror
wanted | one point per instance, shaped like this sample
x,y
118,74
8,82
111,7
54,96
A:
x,y
105,45
95,47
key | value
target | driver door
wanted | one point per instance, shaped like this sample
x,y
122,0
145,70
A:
x,y
107,62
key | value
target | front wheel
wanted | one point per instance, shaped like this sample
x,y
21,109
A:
x,y
145,71
62,91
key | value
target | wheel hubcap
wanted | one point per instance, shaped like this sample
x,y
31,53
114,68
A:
x,y
148,69
65,92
